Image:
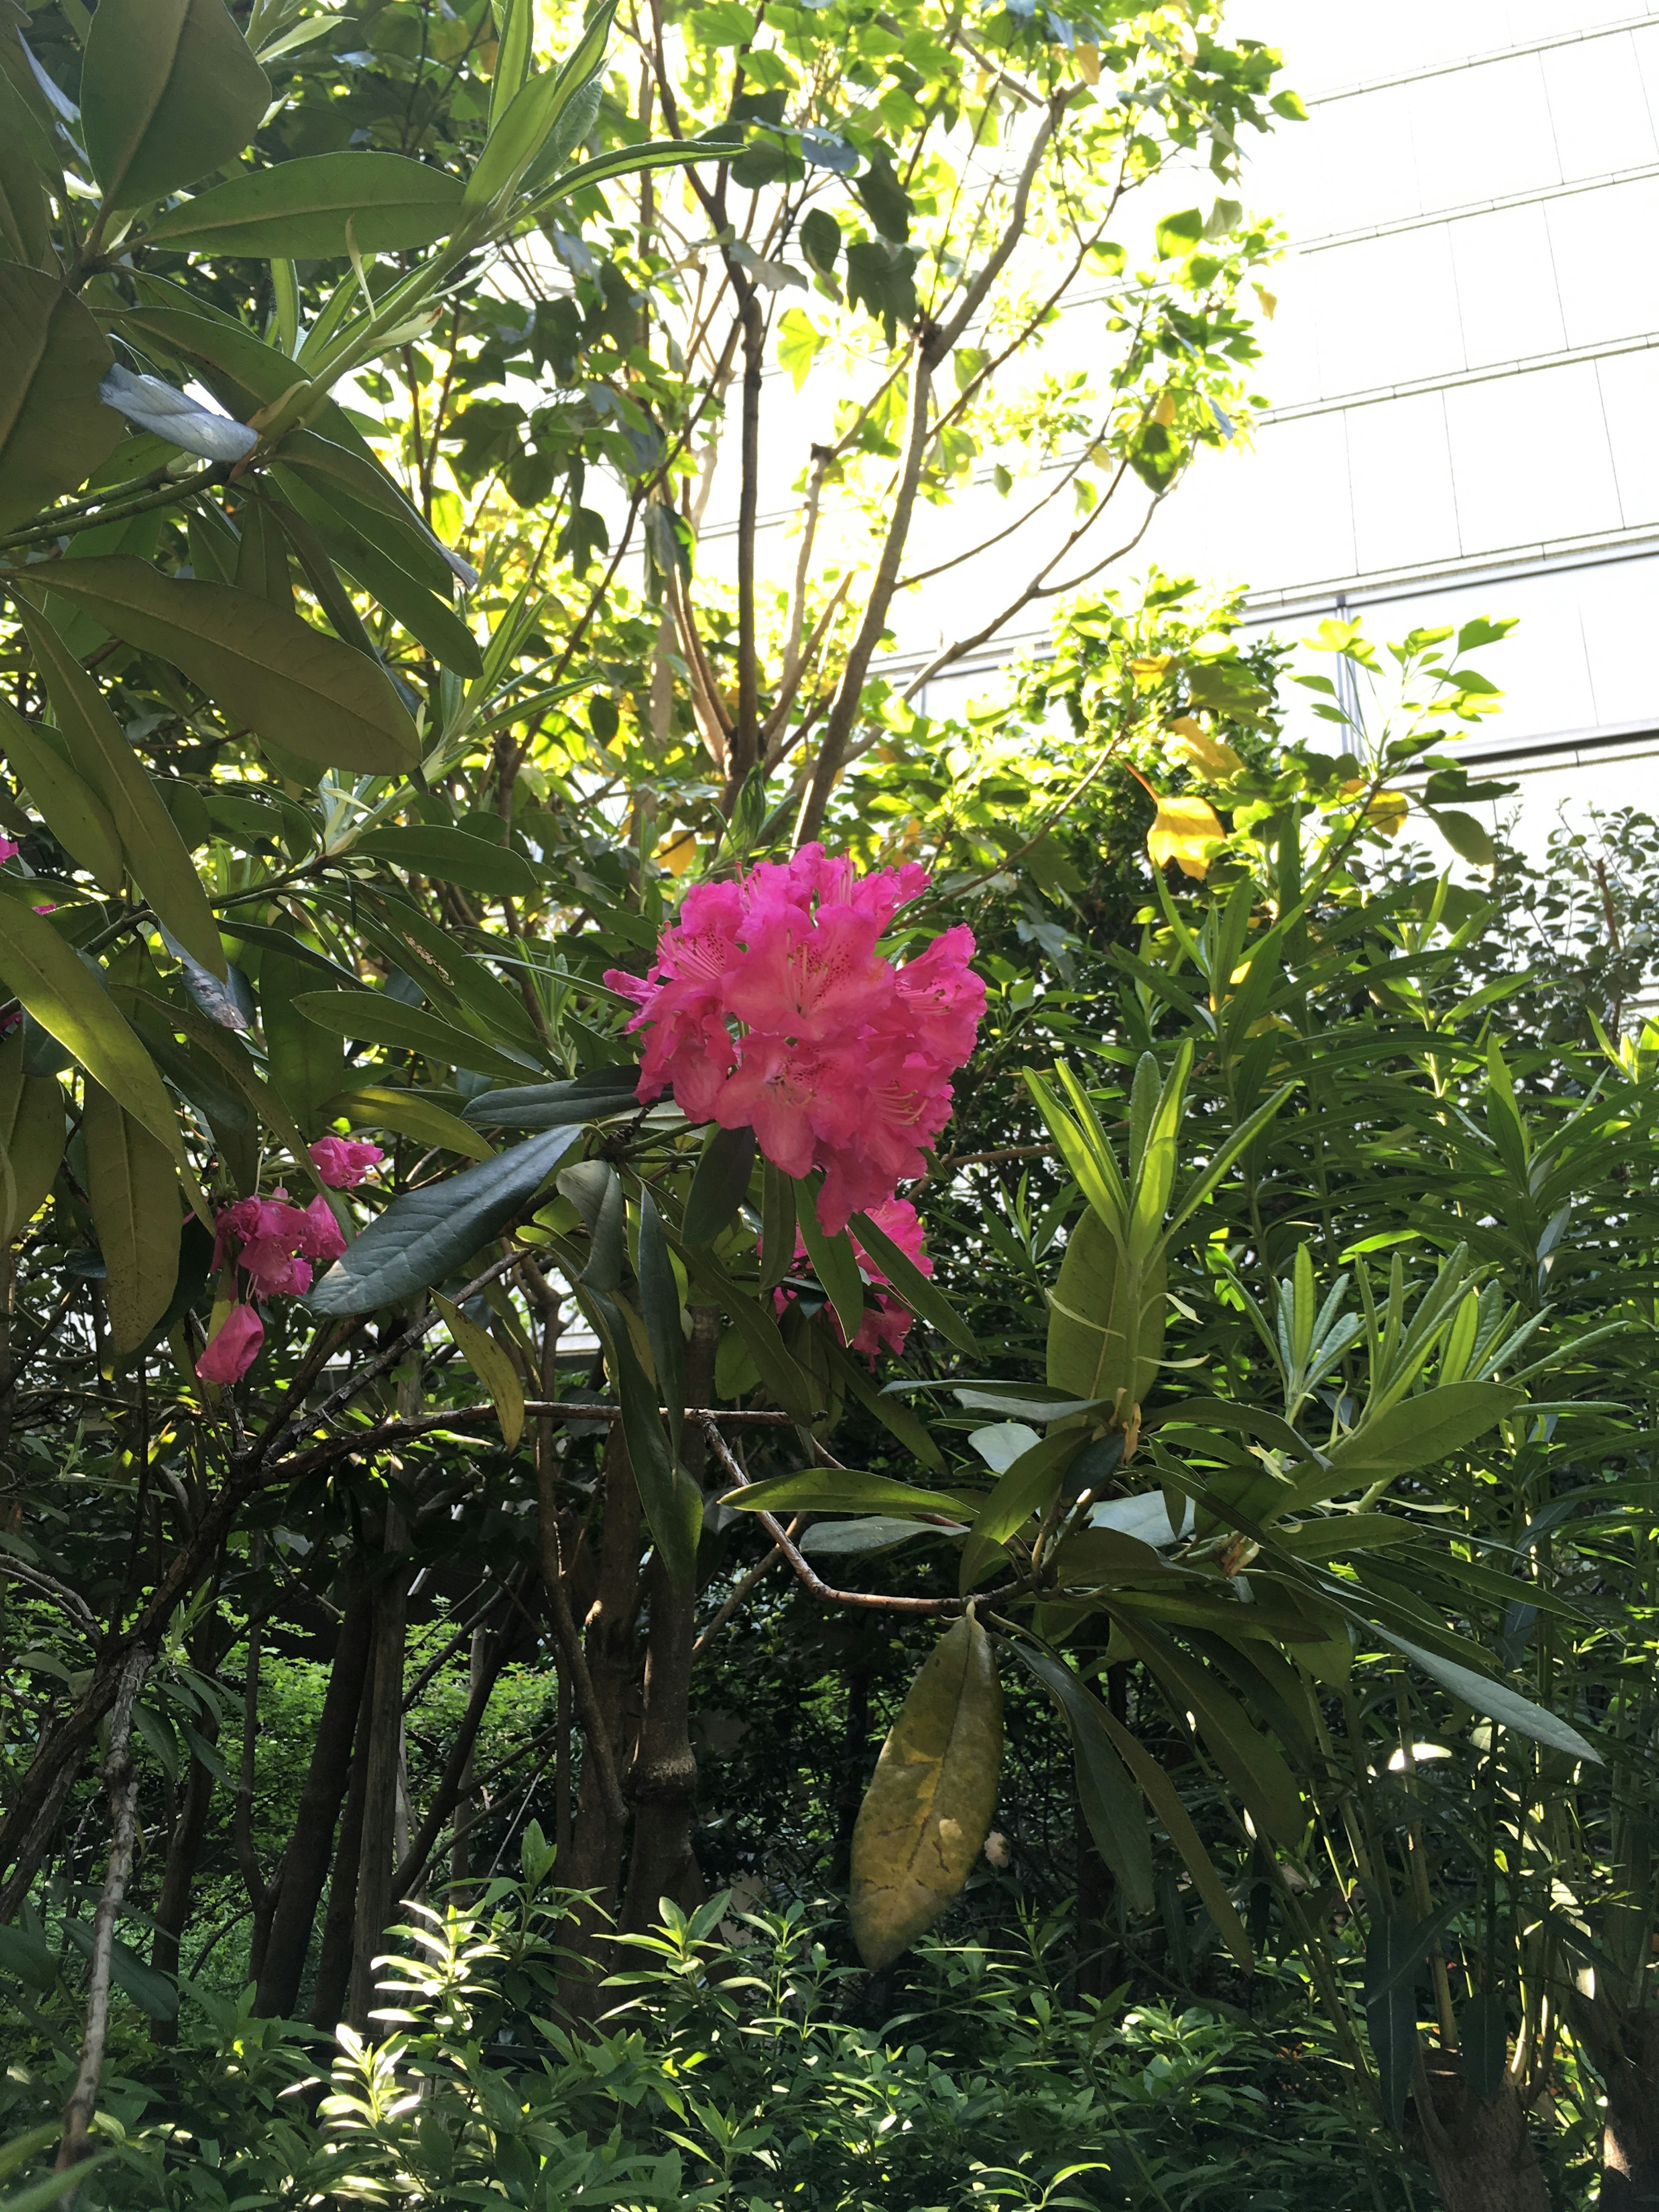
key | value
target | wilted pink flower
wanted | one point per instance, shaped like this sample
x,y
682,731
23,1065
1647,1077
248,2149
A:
x,y
232,1347
320,1237
279,1240
886,1323
343,1162
8,850
770,1005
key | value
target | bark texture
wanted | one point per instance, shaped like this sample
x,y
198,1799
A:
x,y
1481,2155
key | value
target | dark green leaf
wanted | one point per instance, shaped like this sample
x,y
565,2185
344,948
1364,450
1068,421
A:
x,y
1030,1485
660,1303
848,1490
372,1018
1394,1955
423,1237
1503,1704
1111,1803
595,1096
836,1267
672,1503
719,1185
924,1297
151,1992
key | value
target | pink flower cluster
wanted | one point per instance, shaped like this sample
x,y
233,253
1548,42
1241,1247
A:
x,y
280,1243
886,1323
769,1005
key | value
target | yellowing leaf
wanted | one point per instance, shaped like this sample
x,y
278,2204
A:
x,y
1269,300
1164,413
929,1804
1088,62
1388,811
677,854
1209,753
1183,832
1149,670
492,1367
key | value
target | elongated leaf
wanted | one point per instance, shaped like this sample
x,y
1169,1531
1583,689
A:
x,y
777,1224
19,2149
1111,1803
518,133
1223,1413
892,1413
425,613
61,992
1162,1796
54,428
1106,1322
848,1490
443,966
32,1131
593,1097
492,1367
169,91
454,857
757,1325
672,1502
634,161
1412,1434
25,221
1253,1766
659,1304
1028,1486
70,807
374,1018
837,1540
929,1805
425,1236
836,1267
133,1186
315,208
719,1184
152,1992
924,1297
264,666
1393,1956
365,497
1500,1703
220,1047
407,1114
307,1061
155,851
52,2188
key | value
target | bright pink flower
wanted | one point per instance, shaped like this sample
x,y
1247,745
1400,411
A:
x,y
770,1005
272,1268
9,849
232,1347
343,1162
319,1234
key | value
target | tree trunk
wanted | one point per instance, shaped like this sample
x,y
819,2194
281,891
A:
x,y
304,1863
1481,2155
334,1965
172,1907
460,1856
1624,2047
378,1858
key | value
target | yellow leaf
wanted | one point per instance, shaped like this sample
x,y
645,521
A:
x,y
1387,812
1183,832
1149,670
1088,62
1269,300
492,1367
929,1804
676,853
1165,408
1216,759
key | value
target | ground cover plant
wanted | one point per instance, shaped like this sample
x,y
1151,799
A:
x,y
666,1315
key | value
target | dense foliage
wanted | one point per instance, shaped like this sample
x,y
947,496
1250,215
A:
x,y
612,1205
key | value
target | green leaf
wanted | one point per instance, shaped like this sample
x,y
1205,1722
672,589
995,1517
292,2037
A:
x,y
892,1413
307,1063
52,2188
266,668
70,809
25,223
169,91
440,962
1106,1320
517,137
1255,1766
595,1096
31,1132
929,1808
848,1490
133,1187
454,856
1394,1955
21,2148
407,1114
423,607
1111,1803
659,1304
492,1367
64,995
672,1502
777,1245
358,490
1162,1796
924,1297
1414,1433
1467,836
153,1993
54,428
371,1018
757,1324
1030,1485
719,1184
315,208
232,1060
98,748
424,1236
836,1267
1506,1706
838,1540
